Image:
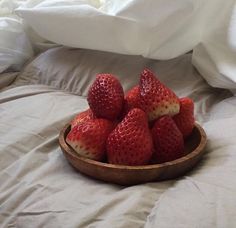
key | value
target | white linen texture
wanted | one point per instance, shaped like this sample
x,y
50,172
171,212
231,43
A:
x,y
15,46
156,29
40,189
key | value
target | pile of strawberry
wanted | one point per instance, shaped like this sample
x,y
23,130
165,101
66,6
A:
x,y
147,125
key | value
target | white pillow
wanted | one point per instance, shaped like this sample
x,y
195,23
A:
x,y
155,29
15,47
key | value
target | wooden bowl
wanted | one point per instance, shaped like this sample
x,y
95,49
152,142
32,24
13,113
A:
x,y
131,175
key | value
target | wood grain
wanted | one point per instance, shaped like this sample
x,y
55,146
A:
x,y
131,175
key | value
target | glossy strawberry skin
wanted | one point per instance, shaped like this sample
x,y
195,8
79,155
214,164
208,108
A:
x,y
156,99
88,139
130,143
185,118
133,98
82,117
106,97
168,140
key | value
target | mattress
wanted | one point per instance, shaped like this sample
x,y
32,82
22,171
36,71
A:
x,y
40,189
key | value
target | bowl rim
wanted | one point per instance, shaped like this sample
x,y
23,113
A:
x,y
68,150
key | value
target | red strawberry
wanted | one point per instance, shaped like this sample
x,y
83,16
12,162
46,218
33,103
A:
x,y
106,96
82,117
130,143
185,118
132,100
156,99
88,139
168,140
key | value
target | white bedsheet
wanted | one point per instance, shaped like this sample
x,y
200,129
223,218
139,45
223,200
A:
x,y
40,189
159,29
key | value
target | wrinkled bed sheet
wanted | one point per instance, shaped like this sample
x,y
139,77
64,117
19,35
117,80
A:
x,y
38,188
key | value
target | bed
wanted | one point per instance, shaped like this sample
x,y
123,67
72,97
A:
x,y
39,188
50,52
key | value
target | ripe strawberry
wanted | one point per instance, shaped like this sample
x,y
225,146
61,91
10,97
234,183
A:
x,y
82,117
88,139
106,97
132,100
156,99
168,140
185,118
130,143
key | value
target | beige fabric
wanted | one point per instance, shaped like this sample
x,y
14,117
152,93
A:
x,y
7,78
40,189
72,70
206,197
38,186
